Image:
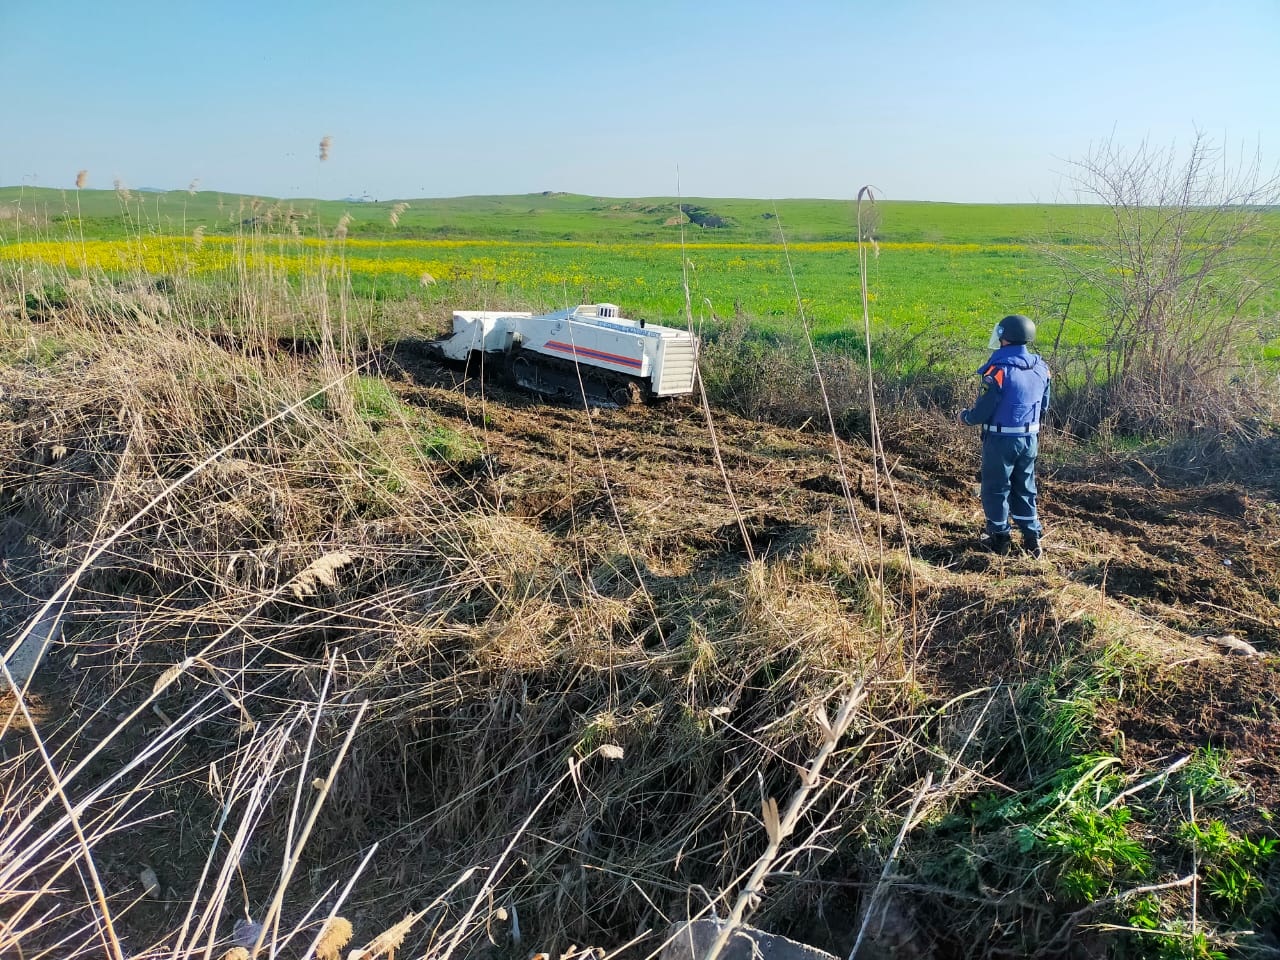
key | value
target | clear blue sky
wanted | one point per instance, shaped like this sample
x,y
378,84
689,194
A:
x,y
977,101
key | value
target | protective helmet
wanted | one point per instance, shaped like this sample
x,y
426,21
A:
x,y
1014,328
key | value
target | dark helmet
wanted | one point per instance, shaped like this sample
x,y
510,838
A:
x,y
1016,328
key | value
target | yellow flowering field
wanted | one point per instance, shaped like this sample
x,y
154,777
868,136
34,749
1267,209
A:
x,y
917,285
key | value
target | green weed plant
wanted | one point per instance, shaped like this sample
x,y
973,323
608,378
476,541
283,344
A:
x,y
1233,865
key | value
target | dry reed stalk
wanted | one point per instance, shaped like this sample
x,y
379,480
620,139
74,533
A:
x,y
82,179
779,828
881,460
908,822
107,931
325,143
460,929
338,903
104,923
148,755
1058,944
98,549
1160,777
702,391
292,856
389,941
841,469
253,786
164,681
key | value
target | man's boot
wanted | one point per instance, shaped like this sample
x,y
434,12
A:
x,y
1031,541
997,543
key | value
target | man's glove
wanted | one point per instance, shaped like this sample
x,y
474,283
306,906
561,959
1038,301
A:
x,y
960,418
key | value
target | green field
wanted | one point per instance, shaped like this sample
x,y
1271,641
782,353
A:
x,y
937,271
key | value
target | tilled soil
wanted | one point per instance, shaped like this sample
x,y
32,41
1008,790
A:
x,y
1194,565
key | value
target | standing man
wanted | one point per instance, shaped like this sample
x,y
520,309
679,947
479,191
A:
x,y
1015,395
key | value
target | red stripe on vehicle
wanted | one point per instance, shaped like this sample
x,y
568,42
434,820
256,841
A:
x,y
592,354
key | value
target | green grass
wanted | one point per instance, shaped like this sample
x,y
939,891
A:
x,y
374,400
1233,865
1097,852
40,352
1208,777
443,443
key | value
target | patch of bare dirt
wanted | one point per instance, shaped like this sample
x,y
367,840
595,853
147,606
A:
x,y
1197,561
1229,704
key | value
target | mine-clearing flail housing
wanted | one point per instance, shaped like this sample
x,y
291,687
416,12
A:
x,y
589,351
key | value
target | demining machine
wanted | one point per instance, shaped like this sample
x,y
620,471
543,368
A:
x,y
589,351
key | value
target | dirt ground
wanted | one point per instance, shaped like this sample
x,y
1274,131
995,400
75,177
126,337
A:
x,y
1194,564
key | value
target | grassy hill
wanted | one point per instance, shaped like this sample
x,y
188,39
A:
x,y
557,216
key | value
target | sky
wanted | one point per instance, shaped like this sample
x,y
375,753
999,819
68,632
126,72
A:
x,y
944,101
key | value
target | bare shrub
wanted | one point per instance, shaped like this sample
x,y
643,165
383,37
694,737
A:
x,y
1183,265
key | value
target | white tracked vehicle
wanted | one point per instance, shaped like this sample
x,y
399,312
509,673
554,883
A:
x,y
590,350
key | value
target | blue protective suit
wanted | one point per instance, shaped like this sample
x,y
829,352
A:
x,y
1013,401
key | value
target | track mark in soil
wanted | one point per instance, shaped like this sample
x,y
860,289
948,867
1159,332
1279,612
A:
x,y
768,535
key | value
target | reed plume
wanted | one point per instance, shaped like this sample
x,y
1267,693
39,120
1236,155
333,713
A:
x,y
321,572
337,934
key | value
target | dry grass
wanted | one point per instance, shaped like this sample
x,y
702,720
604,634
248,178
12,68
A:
x,y
315,674
477,640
